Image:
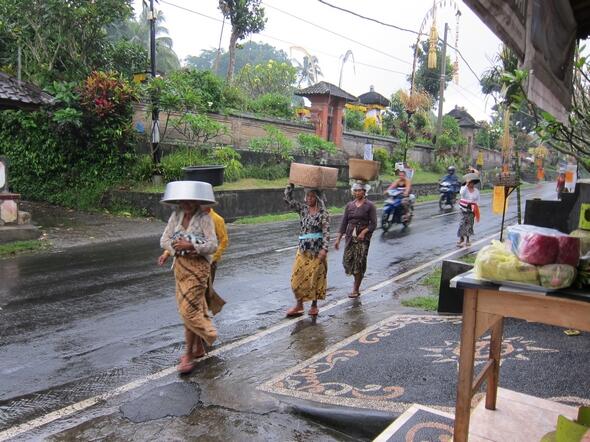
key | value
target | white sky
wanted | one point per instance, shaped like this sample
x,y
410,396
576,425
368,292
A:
x,y
391,61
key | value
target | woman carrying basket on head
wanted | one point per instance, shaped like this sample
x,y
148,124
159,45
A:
x,y
308,278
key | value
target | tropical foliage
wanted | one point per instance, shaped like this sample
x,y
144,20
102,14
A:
x,y
267,78
83,144
246,17
137,32
427,79
251,52
58,42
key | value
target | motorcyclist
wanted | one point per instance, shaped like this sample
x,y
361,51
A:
x,y
451,178
404,184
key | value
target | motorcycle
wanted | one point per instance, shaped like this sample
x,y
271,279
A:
x,y
393,209
448,194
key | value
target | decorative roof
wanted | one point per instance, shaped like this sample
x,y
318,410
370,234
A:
x,y
373,97
463,118
325,88
21,95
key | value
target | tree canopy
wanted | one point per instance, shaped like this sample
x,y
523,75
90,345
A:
x,y
246,17
59,40
427,79
249,53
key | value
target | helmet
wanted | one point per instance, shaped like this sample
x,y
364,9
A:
x,y
451,169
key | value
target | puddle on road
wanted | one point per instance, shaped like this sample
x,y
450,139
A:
x,y
175,399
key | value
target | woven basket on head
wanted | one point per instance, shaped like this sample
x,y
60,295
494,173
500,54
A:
x,y
317,177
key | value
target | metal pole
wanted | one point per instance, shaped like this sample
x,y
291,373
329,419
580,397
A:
x,y
441,93
155,111
518,201
218,55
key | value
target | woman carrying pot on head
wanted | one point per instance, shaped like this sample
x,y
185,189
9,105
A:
x,y
190,238
308,278
358,224
469,204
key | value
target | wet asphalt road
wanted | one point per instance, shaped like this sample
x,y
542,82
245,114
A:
x,y
81,322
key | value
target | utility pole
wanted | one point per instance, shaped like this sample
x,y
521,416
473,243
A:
x,y
441,92
218,55
156,154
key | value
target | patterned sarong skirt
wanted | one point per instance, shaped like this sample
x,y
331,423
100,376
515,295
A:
x,y
308,278
354,258
192,276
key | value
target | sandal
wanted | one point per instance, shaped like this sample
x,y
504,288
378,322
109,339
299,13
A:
x,y
467,244
354,295
294,311
313,311
459,243
186,365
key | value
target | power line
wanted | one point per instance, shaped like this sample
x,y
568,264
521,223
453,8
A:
x,y
398,28
338,34
428,74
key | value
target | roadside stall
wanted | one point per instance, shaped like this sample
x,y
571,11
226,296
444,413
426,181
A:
x,y
537,274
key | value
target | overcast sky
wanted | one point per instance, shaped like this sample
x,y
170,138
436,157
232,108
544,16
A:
x,y
383,55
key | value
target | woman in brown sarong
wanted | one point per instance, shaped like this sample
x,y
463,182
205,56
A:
x,y
358,223
190,238
308,278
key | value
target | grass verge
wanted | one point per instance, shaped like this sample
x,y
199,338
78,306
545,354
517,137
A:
x,y
429,302
17,247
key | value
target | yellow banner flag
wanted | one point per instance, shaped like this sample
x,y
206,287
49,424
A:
x,y
498,198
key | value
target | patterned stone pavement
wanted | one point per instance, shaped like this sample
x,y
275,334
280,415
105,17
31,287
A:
x,y
409,359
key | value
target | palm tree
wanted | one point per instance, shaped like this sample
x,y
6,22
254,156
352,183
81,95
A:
x,y
309,70
138,31
344,59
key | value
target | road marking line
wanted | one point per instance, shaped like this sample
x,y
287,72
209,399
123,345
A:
x,y
87,403
286,248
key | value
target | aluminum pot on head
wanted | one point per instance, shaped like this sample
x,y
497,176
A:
x,y
199,191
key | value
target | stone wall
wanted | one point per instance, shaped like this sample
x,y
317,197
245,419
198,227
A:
x,y
235,204
244,127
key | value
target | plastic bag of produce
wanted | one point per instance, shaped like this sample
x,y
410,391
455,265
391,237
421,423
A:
x,y
540,245
568,250
497,263
556,276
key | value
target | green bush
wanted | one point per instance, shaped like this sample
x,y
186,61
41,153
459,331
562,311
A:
x,y
311,145
275,143
442,163
142,169
71,152
272,105
266,171
173,163
229,158
354,120
382,155
235,98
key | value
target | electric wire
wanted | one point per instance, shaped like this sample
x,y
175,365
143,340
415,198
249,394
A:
x,y
433,75
398,28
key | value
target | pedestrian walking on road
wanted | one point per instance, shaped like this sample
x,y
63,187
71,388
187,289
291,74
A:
x,y
308,277
560,186
190,238
469,204
358,224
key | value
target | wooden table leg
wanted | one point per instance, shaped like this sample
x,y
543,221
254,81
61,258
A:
x,y
466,356
495,355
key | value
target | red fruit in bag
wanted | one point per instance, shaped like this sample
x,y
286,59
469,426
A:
x,y
569,251
538,249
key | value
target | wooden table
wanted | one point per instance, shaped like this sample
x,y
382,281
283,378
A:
x,y
485,305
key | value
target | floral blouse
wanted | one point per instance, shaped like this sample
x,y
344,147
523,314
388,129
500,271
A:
x,y
200,231
315,229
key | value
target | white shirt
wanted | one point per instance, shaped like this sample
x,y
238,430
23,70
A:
x,y
469,196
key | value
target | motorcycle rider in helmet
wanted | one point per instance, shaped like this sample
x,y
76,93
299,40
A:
x,y
405,184
451,178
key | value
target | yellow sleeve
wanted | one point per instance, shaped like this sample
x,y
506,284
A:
x,y
222,238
